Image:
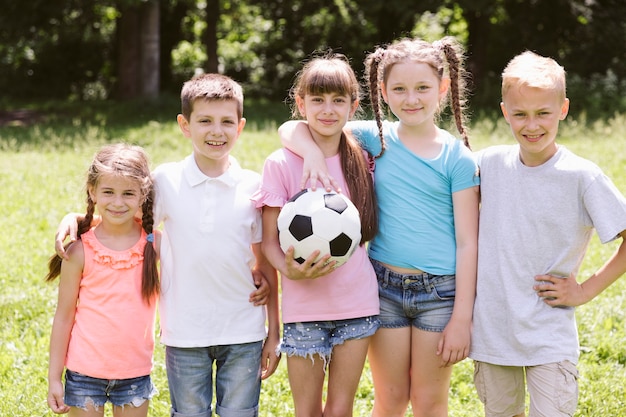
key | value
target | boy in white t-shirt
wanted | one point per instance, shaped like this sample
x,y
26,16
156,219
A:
x,y
539,206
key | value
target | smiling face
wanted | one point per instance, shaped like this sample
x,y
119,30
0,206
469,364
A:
x,y
213,127
326,114
534,115
413,92
118,198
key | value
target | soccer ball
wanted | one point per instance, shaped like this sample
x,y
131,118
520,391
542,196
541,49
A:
x,y
319,220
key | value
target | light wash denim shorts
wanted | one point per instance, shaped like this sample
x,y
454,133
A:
x,y
237,379
82,391
424,301
307,339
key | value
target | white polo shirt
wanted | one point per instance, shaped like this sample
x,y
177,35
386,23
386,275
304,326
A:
x,y
206,257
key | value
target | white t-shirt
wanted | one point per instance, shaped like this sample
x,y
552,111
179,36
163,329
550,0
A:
x,y
206,256
535,220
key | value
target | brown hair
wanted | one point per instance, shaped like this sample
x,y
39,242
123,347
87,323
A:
x,y
129,162
210,87
332,73
444,56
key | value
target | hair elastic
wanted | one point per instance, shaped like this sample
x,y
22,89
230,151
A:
x,y
150,237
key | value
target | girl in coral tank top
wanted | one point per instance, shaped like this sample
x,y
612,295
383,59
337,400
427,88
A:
x,y
103,329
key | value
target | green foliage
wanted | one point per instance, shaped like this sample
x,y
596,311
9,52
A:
x,y
70,49
446,21
54,49
42,170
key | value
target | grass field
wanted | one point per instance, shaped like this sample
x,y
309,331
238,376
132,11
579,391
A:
x,y
42,169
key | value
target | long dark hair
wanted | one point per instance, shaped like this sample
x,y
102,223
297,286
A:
x,y
332,73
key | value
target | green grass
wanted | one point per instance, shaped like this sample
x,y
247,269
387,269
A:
x,y
42,177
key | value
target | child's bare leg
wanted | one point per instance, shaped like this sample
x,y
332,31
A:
x,y
131,411
90,411
390,361
429,381
306,379
344,374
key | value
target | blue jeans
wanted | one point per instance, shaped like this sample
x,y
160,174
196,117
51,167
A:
x,y
424,301
237,379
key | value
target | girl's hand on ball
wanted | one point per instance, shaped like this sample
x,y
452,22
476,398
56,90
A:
x,y
309,269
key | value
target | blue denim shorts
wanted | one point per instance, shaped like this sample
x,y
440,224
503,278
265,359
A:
x,y
307,339
237,379
82,391
424,301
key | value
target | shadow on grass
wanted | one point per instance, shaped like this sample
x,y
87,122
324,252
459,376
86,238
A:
x,y
65,124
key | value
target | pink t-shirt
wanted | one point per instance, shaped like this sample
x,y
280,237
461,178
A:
x,y
113,333
350,291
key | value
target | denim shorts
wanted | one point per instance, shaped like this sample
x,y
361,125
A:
x,y
82,391
237,379
307,339
424,301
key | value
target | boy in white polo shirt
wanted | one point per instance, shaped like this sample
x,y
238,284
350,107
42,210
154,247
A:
x,y
210,245
209,252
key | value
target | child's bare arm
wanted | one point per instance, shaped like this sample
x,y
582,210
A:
x,y
455,339
69,228
295,136
260,296
269,358
558,291
284,261
69,282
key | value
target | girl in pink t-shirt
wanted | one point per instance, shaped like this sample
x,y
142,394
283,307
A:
x,y
328,313
103,329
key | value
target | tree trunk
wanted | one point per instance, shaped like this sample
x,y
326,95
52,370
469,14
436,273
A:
x,y
150,67
210,35
128,63
138,45
170,34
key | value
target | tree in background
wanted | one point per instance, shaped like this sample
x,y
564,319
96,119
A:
x,y
138,49
94,49
55,48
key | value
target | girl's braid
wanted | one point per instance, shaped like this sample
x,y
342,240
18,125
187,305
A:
x,y
456,89
150,281
375,96
54,263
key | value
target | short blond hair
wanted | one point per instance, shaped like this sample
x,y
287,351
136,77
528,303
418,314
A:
x,y
532,70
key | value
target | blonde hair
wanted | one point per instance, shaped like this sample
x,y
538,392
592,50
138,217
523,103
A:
x,y
531,70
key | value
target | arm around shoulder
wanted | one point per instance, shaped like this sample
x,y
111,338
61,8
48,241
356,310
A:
x,y
296,136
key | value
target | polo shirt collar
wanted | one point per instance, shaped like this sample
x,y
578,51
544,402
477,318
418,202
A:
x,y
195,177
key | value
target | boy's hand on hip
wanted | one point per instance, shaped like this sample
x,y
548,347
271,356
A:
x,y
559,291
